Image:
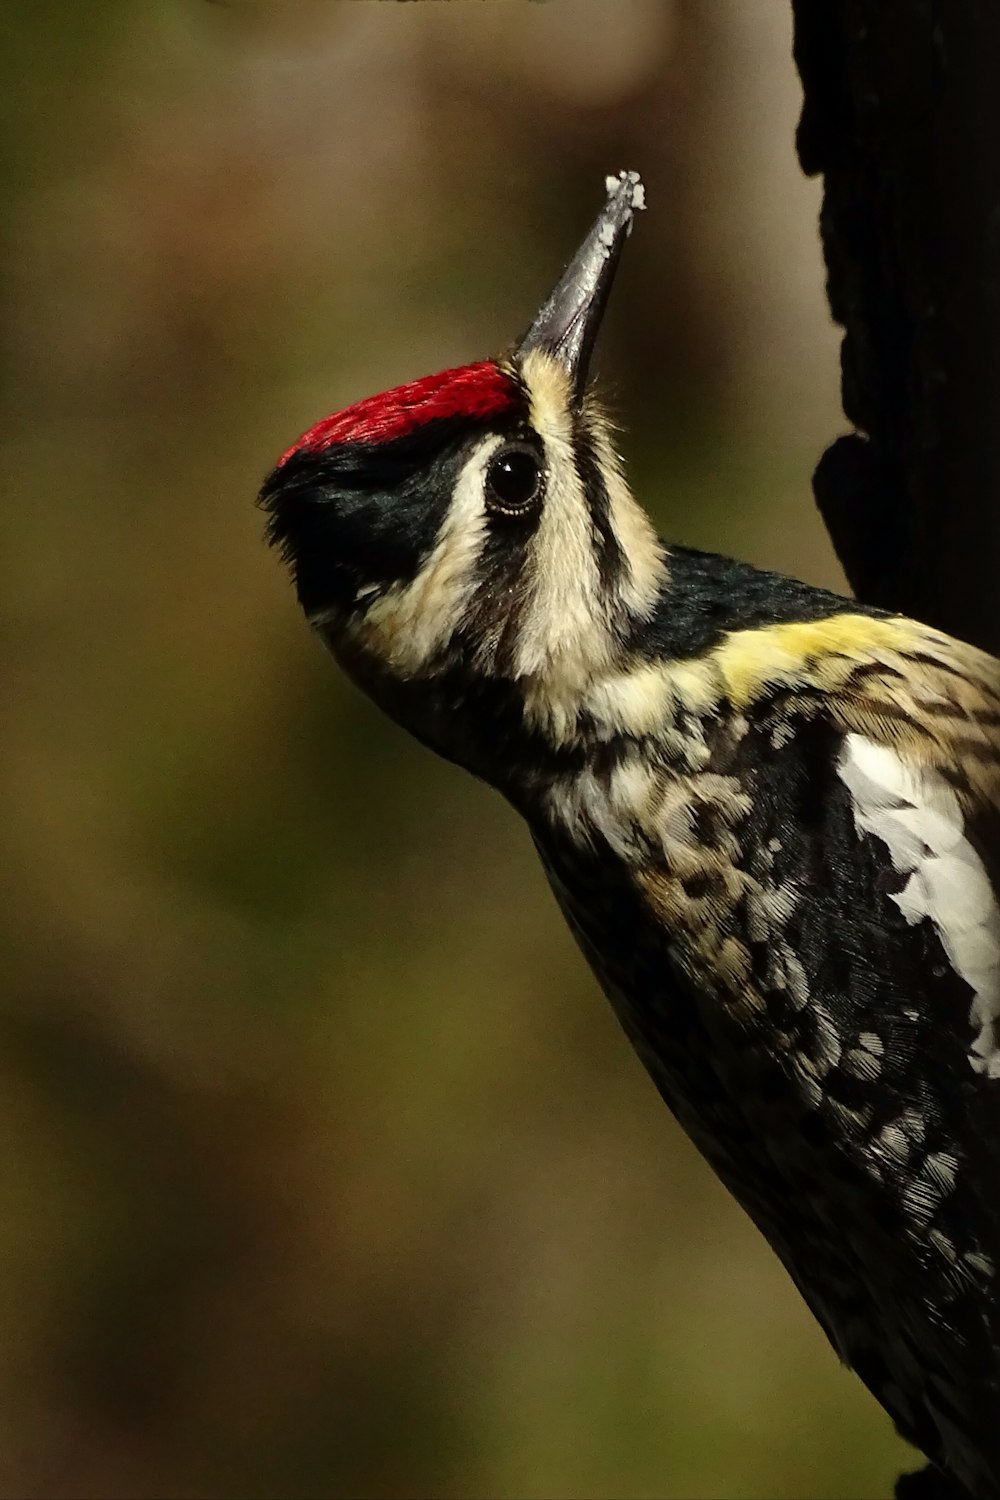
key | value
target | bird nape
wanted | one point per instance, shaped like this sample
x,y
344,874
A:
x,y
771,817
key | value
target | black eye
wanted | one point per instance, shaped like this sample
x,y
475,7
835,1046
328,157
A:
x,y
514,480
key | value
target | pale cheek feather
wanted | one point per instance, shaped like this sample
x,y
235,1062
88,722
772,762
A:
x,y
563,632
917,815
566,639
411,625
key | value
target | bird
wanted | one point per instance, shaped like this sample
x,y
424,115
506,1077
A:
x,y
770,815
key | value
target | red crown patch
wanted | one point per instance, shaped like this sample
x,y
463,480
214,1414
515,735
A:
x,y
475,392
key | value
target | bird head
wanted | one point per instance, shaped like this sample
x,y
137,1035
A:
x,y
468,539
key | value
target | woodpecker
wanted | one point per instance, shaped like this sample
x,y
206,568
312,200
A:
x,y
770,815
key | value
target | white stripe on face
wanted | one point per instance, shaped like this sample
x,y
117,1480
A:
x,y
411,624
566,637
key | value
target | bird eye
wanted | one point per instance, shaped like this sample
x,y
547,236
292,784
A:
x,y
514,480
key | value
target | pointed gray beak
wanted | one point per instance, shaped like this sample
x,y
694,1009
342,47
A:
x,y
568,324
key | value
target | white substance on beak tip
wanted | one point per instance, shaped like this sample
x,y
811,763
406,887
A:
x,y
612,183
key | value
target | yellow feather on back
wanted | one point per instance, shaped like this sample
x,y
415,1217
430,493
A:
x,y
933,699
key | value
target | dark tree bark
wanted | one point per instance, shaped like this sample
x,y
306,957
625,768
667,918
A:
x,y
901,115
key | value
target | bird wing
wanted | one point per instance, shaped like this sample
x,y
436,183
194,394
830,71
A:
x,y
898,815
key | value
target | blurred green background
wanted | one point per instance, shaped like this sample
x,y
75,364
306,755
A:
x,y
326,1170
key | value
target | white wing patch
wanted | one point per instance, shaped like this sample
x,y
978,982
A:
x,y
917,816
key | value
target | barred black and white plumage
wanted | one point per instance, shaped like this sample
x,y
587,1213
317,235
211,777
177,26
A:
x,y
770,815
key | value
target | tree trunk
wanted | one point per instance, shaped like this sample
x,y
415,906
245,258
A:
x,y
902,117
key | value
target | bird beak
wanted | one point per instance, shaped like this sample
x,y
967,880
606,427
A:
x,y
568,324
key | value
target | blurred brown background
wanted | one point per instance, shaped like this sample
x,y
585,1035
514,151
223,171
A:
x,y
326,1169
